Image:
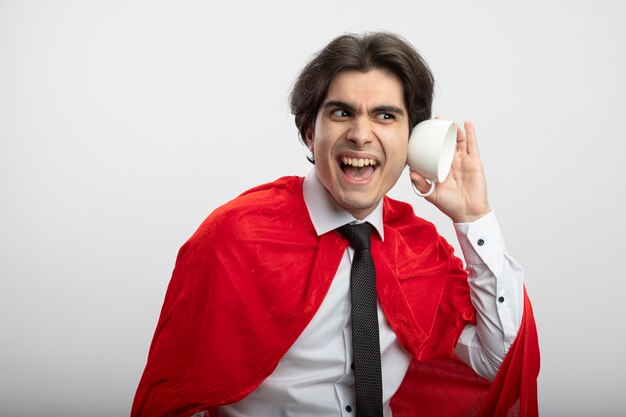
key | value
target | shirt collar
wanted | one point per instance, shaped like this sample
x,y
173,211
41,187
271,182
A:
x,y
326,214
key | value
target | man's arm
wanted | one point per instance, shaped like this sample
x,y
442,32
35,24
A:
x,y
496,288
495,280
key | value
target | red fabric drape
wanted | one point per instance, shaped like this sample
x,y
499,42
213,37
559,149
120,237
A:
x,y
250,279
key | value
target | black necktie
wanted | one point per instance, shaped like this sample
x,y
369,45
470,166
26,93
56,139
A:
x,y
365,341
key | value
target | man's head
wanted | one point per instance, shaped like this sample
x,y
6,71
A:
x,y
355,104
353,52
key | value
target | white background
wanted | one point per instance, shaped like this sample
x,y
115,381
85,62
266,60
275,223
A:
x,y
123,124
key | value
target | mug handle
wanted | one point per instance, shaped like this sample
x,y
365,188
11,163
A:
x,y
432,188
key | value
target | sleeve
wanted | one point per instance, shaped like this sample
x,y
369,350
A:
x,y
497,293
440,384
446,386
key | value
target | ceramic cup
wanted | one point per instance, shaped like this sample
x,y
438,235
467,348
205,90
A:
x,y
431,151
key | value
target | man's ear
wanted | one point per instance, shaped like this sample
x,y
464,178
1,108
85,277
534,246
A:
x,y
310,139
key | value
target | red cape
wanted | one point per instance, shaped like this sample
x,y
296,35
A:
x,y
250,279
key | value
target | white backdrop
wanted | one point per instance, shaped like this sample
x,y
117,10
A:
x,y
123,124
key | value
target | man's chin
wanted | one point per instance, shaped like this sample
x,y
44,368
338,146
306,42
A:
x,y
359,207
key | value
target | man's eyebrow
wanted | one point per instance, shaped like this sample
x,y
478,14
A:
x,y
383,108
340,104
387,108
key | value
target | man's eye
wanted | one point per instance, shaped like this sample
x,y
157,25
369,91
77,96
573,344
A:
x,y
340,113
385,116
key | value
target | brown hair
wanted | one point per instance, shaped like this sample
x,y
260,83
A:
x,y
354,52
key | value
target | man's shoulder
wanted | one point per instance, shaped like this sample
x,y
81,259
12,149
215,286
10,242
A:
x,y
404,231
400,217
269,199
287,186
265,205
271,215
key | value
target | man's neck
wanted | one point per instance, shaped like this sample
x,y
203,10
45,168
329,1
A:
x,y
326,214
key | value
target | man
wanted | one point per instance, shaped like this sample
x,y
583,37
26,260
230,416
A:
x,y
259,318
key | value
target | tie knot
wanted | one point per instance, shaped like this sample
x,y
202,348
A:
x,y
357,234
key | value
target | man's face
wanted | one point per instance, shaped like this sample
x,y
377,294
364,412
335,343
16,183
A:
x,y
360,139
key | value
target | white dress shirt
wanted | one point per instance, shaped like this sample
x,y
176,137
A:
x,y
314,378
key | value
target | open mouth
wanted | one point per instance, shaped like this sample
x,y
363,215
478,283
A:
x,y
358,169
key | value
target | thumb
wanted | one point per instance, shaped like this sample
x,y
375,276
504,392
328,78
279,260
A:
x,y
420,183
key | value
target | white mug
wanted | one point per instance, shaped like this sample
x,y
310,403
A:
x,y
431,151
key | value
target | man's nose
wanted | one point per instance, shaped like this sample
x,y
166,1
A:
x,y
361,132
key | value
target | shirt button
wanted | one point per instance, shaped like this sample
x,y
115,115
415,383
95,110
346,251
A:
x,y
348,409
480,242
501,299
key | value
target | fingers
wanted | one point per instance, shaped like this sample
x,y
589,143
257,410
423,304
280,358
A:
x,y
472,143
466,139
461,140
419,182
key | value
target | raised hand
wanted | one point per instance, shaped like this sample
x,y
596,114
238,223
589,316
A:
x,y
463,195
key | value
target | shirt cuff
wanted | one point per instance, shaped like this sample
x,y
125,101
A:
x,y
482,242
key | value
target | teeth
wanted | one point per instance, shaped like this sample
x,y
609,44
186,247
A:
x,y
357,162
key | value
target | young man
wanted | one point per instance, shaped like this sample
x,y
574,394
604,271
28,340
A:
x,y
263,316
